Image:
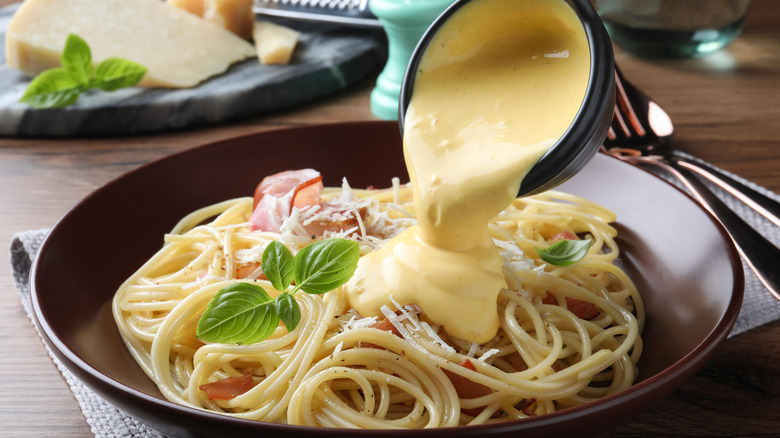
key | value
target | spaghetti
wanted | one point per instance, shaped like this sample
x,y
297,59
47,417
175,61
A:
x,y
568,334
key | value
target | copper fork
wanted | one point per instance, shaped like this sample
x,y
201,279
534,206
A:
x,y
641,133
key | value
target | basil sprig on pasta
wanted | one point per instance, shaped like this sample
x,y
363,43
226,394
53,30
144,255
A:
x,y
565,252
244,313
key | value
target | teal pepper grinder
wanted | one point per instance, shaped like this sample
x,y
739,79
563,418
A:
x,y
404,22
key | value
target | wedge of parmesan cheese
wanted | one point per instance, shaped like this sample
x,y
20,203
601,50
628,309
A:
x,y
179,49
236,16
275,43
191,6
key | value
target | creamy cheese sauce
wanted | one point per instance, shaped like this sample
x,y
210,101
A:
x,y
498,85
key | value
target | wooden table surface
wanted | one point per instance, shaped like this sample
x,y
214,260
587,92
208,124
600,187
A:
x,y
726,110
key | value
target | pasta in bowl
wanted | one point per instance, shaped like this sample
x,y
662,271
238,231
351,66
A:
x,y
72,300
569,329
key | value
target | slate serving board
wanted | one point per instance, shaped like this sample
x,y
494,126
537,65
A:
x,y
327,59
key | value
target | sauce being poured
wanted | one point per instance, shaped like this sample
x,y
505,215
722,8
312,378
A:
x,y
498,85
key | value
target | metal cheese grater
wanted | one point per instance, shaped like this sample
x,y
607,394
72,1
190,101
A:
x,y
345,12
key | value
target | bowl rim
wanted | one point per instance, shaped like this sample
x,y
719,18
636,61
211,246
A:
x,y
110,388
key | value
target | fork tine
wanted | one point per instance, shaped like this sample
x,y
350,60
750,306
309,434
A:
x,y
619,128
624,104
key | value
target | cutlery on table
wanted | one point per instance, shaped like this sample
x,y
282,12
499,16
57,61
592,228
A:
x,y
641,133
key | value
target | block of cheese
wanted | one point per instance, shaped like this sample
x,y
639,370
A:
x,y
179,49
275,43
236,16
191,6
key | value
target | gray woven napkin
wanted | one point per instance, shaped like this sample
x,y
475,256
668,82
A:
x,y
105,420
759,307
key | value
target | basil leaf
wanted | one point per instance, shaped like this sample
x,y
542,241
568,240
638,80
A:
x,y
325,265
61,86
53,88
278,265
288,310
565,252
76,59
115,73
241,313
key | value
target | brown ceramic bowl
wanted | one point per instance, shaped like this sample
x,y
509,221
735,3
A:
x,y
682,262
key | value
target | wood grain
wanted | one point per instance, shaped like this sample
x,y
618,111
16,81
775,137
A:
x,y
725,109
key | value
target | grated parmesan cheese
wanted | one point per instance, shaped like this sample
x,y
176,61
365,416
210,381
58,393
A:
x,y
409,313
488,354
356,322
294,235
347,194
435,337
396,190
514,258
